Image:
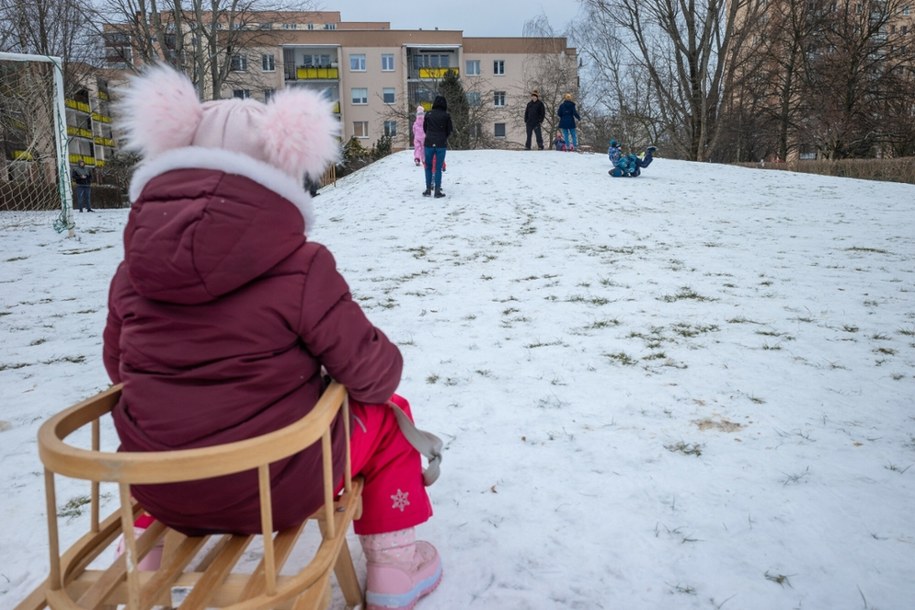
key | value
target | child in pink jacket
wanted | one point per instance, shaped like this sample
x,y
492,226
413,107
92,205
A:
x,y
419,135
224,314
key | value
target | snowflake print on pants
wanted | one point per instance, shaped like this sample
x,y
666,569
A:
x,y
400,500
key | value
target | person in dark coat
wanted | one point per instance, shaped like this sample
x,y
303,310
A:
x,y
82,176
568,114
534,113
438,128
224,315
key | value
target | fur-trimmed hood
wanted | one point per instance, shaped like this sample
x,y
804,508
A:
x,y
195,157
205,222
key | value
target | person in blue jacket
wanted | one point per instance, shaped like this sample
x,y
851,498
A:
x,y
631,165
568,114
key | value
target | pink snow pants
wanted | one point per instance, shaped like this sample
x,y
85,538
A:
x,y
394,496
419,150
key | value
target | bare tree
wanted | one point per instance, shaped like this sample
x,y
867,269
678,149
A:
x,y
550,69
205,39
60,28
786,33
859,85
691,52
619,101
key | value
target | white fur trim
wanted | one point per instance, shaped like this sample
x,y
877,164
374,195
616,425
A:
x,y
196,157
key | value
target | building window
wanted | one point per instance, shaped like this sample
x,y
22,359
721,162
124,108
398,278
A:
x,y
241,94
238,63
390,128
289,26
316,61
360,95
361,129
387,94
473,98
387,62
431,60
498,67
473,67
330,26
498,98
357,62
268,94
268,62
499,130
476,130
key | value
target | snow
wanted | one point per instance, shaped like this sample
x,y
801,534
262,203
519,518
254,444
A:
x,y
691,389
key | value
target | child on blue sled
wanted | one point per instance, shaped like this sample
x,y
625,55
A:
x,y
628,165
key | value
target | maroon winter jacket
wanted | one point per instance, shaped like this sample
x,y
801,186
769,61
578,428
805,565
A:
x,y
219,320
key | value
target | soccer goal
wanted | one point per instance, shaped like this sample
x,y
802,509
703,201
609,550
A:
x,y
35,169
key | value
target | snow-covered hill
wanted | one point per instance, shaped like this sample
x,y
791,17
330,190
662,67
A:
x,y
693,389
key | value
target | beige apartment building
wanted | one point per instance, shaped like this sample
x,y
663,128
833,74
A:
x,y
377,76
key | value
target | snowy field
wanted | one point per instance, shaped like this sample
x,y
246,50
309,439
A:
x,y
693,389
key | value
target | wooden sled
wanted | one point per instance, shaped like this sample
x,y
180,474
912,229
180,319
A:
x,y
195,572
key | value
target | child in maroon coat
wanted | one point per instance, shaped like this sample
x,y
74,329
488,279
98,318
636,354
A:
x,y
223,314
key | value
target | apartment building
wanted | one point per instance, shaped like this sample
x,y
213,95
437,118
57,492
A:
x,y
89,123
377,76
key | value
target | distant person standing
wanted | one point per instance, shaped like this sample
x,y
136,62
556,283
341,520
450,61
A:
x,y
82,176
534,114
438,128
419,135
568,114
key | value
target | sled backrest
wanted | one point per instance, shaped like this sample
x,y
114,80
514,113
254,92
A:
x,y
207,578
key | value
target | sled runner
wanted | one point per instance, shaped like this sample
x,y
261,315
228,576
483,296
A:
x,y
195,571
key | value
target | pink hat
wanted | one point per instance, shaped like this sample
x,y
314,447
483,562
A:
x,y
295,132
420,110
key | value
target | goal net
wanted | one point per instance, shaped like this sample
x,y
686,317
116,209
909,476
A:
x,y
34,170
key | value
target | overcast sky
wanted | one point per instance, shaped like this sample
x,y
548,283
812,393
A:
x,y
474,17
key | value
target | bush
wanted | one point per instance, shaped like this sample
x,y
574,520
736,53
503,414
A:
x,y
381,148
355,156
118,170
888,170
107,196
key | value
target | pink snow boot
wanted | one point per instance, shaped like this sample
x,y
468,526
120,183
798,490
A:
x,y
153,558
401,570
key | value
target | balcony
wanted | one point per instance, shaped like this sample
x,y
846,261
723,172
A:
x,y
81,106
317,73
435,73
79,132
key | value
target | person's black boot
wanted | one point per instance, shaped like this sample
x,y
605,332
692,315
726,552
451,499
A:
x,y
439,194
427,192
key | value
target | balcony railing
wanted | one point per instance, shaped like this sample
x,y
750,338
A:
x,y
435,73
312,73
81,106
79,131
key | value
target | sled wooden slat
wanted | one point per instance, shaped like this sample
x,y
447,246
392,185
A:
x,y
116,572
197,571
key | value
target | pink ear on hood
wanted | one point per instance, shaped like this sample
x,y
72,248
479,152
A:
x,y
158,111
300,132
